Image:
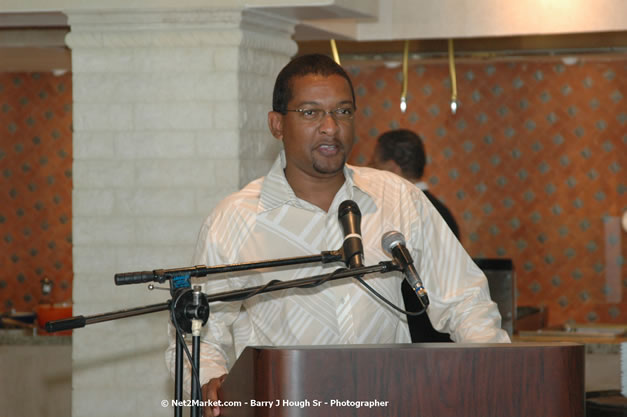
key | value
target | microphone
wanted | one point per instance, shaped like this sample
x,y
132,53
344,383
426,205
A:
x,y
350,219
393,242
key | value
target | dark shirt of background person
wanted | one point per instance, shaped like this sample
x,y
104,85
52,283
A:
x,y
402,152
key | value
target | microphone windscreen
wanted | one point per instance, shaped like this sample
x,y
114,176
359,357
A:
x,y
346,207
391,239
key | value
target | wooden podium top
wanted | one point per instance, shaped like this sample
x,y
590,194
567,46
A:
x,y
585,339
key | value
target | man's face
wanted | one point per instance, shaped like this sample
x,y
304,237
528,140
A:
x,y
315,148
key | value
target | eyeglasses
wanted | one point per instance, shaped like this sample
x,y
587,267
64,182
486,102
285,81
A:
x,y
316,115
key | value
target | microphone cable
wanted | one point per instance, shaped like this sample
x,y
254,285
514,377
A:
x,y
325,279
388,302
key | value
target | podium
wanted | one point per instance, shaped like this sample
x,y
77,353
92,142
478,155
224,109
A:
x,y
422,380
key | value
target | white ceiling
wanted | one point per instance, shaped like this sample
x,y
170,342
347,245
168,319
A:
x,y
27,40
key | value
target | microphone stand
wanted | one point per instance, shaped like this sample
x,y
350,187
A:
x,y
161,275
190,307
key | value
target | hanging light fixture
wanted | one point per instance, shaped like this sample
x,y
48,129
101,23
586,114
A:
x,y
336,56
451,67
404,91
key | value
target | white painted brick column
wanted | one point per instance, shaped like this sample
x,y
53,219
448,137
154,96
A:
x,y
169,117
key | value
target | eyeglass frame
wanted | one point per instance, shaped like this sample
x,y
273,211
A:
x,y
324,113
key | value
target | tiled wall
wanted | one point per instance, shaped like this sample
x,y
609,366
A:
x,y
532,165
35,188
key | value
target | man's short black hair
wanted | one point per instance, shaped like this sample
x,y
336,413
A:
x,y
405,148
299,67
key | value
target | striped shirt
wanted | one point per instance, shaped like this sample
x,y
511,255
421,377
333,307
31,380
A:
x,y
265,220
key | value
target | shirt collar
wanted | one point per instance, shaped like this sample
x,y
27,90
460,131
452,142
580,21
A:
x,y
422,185
276,191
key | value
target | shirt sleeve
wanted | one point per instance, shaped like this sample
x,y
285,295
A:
x,y
216,343
460,302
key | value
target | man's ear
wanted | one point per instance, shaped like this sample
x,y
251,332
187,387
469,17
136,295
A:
x,y
275,123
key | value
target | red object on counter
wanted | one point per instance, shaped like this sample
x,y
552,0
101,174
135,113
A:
x,y
50,312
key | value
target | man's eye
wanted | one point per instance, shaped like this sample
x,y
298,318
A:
x,y
310,113
345,112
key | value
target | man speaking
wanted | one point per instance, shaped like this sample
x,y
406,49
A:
x,y
293,211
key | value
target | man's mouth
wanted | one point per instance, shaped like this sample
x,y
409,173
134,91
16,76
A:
x,y
328,149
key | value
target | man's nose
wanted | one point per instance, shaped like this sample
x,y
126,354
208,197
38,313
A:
x,y
328,124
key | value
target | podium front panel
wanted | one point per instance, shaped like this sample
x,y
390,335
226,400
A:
x,y
439,380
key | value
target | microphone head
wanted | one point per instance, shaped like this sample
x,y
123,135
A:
x,y
348,206
391,239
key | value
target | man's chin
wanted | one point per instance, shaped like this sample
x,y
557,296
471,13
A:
x,y
329,169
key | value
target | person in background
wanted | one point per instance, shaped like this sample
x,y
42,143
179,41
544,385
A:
x,y
402,152
293,211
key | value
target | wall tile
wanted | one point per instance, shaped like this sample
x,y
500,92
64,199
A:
x,y
529,165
